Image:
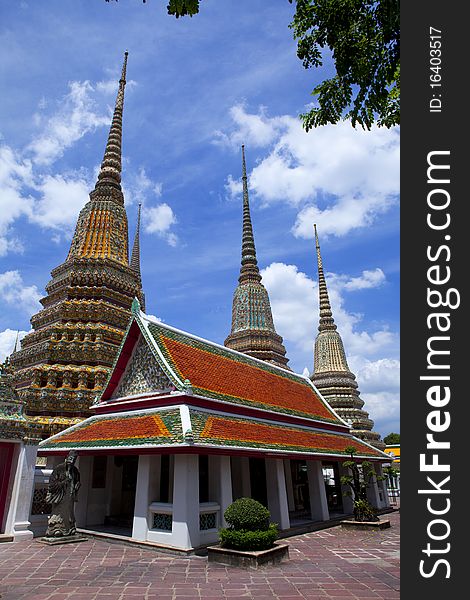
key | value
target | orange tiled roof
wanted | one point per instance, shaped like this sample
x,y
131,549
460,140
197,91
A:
x,y
233,431
153,428
120,430
220,373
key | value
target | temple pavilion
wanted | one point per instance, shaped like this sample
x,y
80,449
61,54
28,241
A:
x,y
184,426
65,361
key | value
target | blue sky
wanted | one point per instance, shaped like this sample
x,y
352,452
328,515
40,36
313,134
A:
x,y
197,89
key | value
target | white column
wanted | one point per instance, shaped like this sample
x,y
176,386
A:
x,y
142,501
373,493
289,486
277,495
382,485
84,465
225,497
185,531
348,501
22,494
316,487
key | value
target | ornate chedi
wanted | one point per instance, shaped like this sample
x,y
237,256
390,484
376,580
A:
x,y
252,321
13,423
64,362
331,374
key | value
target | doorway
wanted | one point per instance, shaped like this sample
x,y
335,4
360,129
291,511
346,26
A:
x,y
300,490
122,507
258,480
334,496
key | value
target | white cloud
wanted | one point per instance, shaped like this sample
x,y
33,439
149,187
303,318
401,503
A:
x,y
139,188
154,318
7,341
368,279
384,409
339,219
337,176
75,117
253,130
13,291
377,375
29,189
294,300
14,174
62,198
159,219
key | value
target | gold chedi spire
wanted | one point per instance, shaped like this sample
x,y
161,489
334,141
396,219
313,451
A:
x,y
101,230
110,172
253,329
65,361
331,373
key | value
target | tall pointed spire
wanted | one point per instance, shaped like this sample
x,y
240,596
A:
x,y
110,171
249,270
101,230
135,256
326,316
331,373
253,329
63,364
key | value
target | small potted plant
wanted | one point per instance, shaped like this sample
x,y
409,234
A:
x,y
249,539
358,478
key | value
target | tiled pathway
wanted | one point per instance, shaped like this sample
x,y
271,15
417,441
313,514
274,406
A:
x,y
329,564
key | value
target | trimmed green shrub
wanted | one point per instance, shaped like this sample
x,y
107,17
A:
x,y
249,526
248,515
249,540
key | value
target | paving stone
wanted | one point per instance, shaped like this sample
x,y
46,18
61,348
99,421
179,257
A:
x,y
333,564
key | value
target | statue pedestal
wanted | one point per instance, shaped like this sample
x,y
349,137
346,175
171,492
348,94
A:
x,y
66,539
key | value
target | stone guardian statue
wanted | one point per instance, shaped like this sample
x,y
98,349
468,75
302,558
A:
x,y
64,484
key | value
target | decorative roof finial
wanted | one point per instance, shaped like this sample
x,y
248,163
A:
x,y
249,269
110,172
326,315
135,256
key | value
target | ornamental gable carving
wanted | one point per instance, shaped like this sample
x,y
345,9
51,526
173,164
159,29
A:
x,y
143,374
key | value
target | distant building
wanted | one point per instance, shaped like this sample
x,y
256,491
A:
x,y
64,362
393,450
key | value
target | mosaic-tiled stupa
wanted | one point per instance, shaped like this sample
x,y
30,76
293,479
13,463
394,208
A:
x,y
331,374
64,362
253,329
13,423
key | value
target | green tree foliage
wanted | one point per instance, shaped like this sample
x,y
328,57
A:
x,y
392,438
180,8
363,37
359,476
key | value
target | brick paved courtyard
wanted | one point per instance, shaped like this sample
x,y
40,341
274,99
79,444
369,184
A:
x,y
329,564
